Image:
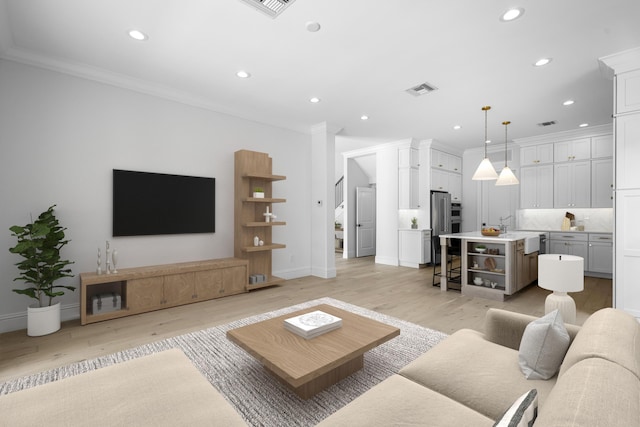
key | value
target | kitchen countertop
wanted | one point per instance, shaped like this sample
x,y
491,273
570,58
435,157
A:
x,y
510,236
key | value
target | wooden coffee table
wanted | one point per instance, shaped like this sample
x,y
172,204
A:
x,y
310,366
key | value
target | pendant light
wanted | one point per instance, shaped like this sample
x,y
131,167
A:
x,y
485,170
506,175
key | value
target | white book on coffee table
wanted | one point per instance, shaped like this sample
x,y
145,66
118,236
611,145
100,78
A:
x,y
312,324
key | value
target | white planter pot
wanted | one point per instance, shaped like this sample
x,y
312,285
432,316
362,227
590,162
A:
x,y
43,320
258,195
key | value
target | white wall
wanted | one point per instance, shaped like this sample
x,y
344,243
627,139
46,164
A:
x,y
61,136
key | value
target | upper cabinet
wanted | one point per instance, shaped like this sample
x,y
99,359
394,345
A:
x,y
408,178
572,185
446,161
536,187
602,146
446,172
536,154
628,92
568,151
628,151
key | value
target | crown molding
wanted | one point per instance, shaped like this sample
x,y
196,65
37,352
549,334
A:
x,y
567,135
122,81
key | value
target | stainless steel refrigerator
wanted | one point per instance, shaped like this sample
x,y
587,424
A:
x,y
440,219
440,213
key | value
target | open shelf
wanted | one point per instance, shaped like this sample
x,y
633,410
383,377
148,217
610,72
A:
x,y
265,224
263,200
266,176
263,248
273,280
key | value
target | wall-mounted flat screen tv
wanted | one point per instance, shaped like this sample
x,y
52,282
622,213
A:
x,y
146,203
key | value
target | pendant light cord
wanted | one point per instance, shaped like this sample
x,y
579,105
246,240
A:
x,y
506,123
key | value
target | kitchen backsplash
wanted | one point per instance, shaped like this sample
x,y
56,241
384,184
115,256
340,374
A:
x,y
595,220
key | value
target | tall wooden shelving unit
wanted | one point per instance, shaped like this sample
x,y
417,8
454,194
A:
x,y
253,169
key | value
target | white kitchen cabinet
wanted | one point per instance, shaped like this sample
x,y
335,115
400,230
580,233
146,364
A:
x,y
627,250
536,154
536,187
408,188
446,161
628,92
573,150
408,178
414,247
447,181
601,146
408,157
602,183
628,151
572,185
600,253
570,244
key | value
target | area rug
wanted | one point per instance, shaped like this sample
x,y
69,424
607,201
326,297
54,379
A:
x,y
256,395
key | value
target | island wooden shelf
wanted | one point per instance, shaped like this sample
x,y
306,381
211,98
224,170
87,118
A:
x,y
271,281
156,287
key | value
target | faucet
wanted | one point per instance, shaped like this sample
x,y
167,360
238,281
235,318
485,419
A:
x,y
503,227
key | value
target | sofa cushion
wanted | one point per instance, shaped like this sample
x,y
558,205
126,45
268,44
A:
x,y
544,343
399,401
475,372
593,392
522,413
607,334
163,389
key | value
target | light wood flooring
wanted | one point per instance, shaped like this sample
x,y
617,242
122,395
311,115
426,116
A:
x,y
401,292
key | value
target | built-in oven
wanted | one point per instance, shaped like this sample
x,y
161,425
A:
x,y
456,214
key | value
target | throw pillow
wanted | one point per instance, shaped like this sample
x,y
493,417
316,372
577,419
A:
x,y
522,413
544,343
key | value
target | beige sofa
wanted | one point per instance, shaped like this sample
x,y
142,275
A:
x,y
163,389
471,379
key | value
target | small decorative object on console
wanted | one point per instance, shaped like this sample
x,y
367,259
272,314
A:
x,y
105,303
311,325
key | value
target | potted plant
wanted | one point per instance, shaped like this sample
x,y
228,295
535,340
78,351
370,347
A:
x,y
39,243
258,193
414,222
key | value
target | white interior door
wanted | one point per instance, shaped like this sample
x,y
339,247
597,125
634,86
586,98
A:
x,y
365,221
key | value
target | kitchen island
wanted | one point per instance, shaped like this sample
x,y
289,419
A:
x,y
493,267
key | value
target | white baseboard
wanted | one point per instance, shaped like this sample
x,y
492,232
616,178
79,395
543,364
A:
x,y
17,321
387,261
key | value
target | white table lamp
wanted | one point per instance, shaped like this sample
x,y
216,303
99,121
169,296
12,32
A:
x,y
561,274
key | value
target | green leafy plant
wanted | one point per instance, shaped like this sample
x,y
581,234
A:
x,y
39,243
414,221
258,190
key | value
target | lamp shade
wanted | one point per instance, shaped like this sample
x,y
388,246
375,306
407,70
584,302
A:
x,y
485,171
507,177
561,273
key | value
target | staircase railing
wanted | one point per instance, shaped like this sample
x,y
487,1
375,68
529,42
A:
x,y
339,191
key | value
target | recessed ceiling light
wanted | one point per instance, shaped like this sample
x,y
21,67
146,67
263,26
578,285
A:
x,y
243,74
568,102
511,14
364,117
314,100
312,26
457,127
138,35
584,125
541,62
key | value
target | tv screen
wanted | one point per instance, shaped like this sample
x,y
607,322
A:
x,y
147,203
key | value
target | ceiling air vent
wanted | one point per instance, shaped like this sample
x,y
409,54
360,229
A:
x,y
549,123
273,8
421,89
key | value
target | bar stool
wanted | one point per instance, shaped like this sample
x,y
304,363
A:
x,y
453,274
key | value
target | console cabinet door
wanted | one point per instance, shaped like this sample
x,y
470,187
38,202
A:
x,y
179,289
145,294
208,284
234,280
